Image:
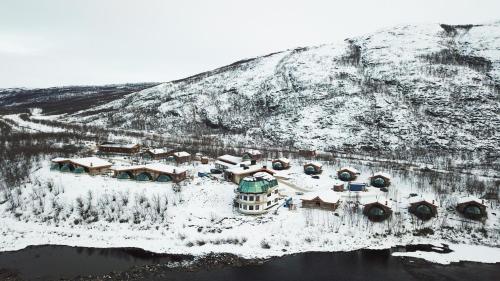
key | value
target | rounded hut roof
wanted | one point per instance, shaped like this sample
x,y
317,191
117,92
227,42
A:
x,y
258,183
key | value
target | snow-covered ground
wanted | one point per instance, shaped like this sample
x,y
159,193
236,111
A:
x,y
200,219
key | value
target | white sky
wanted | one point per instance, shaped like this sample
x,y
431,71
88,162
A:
x,y
60,42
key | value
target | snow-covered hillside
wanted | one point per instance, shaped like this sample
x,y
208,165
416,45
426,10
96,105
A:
x,y
422,86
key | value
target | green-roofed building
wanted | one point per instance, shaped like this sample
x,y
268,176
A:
x,y
257,194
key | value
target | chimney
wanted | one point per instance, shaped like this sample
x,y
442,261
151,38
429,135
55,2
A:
x,y
386,202
432,202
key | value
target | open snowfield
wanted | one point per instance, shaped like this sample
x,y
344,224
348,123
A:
x,y
200,219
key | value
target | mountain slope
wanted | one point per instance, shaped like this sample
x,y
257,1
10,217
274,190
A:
x,y
430,86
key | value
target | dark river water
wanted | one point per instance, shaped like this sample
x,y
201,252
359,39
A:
x,y
64,262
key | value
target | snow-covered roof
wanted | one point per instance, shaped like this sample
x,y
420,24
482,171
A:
x,y
124,145
284,160
382,201
260,175
470,199
252,152
382,174
219,162
230,159
327,196
158,151
421,199
93,162
182,154
351,169
157,167
317,164
240,170
60,159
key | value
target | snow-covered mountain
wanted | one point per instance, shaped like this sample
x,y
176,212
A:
x,y
405,87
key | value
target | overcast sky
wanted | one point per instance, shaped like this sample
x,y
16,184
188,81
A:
x,y
60,42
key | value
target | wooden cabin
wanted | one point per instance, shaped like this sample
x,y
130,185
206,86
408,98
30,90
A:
x,y
157,153
423,209
376,211
236,174
380,180
313,168
251,154
151,172
181,157
89,165
204,160
307,153
472,208
326,200
281,164
110,147
347,174
339,187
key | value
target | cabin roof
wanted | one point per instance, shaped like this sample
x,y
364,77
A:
x,y
350,169
60,159
230,159
181,154
284,160
317,164
470,199
326,196
251,169
252,152
158,151
91,162
382,174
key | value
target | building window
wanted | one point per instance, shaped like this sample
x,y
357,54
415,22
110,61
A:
x,y
250,208
244,207
275,199
276,191
251,198
245,198
269,195
268,203
257,207
257,198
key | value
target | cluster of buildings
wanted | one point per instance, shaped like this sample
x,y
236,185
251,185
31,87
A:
x,y
257,189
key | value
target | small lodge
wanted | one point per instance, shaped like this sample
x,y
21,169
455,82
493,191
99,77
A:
x,y
256,194
338,187
472,208
111,147
237,173
376,211
227,161
313,168
157,153
181,157
280,164
356,186
380,180
251,154
422,208
151,172
326,200
307,153
89,165
347,174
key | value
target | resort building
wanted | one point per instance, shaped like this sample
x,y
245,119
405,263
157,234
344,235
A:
x,y
422,208
111,147
380,180
327,200
313,168
356,186
307,153
347,174
90,165
377,211
181,157
472,208
151,172
256,194
281,164
157,153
